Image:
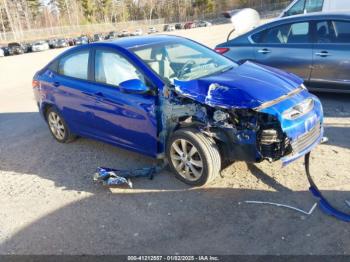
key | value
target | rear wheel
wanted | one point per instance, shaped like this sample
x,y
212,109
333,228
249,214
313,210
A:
x,y
193,157
58,126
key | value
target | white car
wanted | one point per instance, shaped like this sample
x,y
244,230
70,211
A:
x,y
298,7
137,32
40,46
203,24
2,52
152,30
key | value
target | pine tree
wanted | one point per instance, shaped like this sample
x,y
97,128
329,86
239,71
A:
x,y
88,10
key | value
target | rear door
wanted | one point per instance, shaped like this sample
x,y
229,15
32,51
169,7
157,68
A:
x,y
71,91
125,119
331,55
287,47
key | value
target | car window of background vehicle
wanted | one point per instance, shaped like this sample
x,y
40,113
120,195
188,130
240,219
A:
x,y
75,65
307,6
313,5
333,32
112,69
296,9
342,32
297,33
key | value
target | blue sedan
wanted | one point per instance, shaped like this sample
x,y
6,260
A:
x,y
173,99
315,47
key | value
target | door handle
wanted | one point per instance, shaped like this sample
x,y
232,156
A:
x,y
264,51
323,54
56,84
100,94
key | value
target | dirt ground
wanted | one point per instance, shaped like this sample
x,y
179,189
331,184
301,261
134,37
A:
x,y
49,204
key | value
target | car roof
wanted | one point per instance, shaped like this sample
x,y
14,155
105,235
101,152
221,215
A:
x,y
132,42
311,16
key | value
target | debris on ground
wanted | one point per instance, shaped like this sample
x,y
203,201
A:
x,y
285,206
114,177
324,204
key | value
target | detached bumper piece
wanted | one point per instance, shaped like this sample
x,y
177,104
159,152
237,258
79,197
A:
x,y
323,202
110,177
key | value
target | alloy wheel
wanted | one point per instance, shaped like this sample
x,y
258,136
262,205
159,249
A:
x,y
186,159
56,125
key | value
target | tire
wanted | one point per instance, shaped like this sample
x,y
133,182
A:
x,y
199,163
58,127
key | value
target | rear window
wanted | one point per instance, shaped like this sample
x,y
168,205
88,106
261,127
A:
x,y
75,65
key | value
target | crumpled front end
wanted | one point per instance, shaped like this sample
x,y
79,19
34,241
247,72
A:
x,y
301,124
283,128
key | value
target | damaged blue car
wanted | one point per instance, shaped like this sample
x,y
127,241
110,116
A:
x,y
176,100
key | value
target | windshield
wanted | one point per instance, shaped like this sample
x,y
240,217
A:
x,y
183,60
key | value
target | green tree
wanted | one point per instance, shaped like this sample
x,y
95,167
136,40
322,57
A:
x,y
89,8
34,8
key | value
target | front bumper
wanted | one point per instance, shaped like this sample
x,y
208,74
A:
x,y
298,154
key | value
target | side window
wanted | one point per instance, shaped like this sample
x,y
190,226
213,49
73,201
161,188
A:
x,y
112,69
75,65
297,33
276,35
314,6
324,32
257,37
341,31
296,9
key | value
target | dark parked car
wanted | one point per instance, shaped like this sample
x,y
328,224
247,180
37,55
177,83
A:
x,y
27,47
15,49
6,50
169,28
71,41
171,98
124,33
52,43
97,37
316,47
112,35
179,26
82,40
61,43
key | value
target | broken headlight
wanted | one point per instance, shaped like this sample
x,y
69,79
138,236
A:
x,y
299,110
269,136
220,116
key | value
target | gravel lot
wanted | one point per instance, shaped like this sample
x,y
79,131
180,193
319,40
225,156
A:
x,y
49,204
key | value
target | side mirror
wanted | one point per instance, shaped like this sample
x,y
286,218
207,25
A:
x,y
134,86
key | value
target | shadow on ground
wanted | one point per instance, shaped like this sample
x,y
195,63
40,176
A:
x,y
212,221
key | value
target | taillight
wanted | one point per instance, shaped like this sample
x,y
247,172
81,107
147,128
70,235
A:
x,y
221,50
35,83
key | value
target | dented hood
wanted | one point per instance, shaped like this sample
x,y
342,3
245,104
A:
x,y
247,86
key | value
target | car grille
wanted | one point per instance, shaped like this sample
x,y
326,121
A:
x,y
307,139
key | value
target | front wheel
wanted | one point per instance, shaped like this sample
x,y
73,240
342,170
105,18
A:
x,y
193,157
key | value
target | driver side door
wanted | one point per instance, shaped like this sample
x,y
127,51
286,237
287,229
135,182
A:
x,y
125,119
